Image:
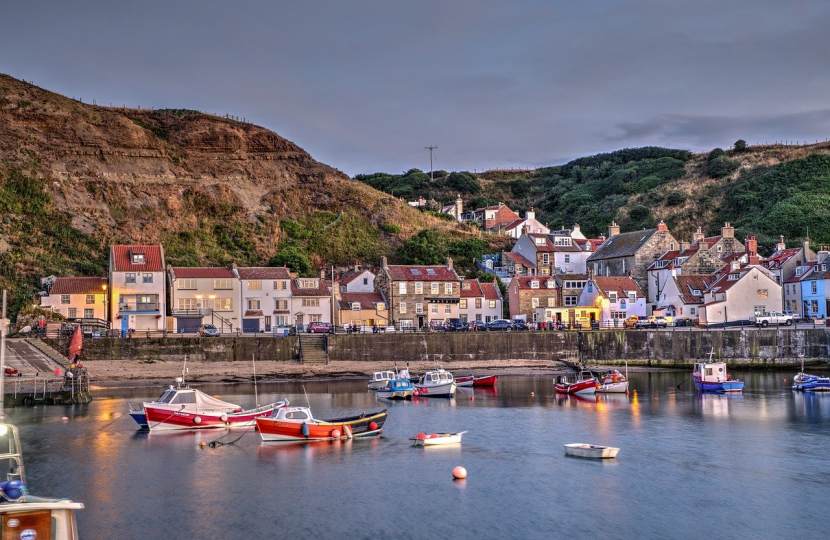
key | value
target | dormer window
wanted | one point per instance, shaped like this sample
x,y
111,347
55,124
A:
x,y
539,240
534,284
734,277
695,292
355,306
800,271
550,284
138,258
562,241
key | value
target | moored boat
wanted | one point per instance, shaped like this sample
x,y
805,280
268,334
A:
x,y
811,383
438,439
297,424
439,383
471,380
591,451
585,383
612,381
712,377
397,389
381,378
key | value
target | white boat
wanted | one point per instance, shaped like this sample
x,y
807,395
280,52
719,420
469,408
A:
x,y
438,439
439,383
397,389
612,381
381,378
591,451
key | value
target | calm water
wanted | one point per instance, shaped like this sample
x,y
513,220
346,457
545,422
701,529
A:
x,y
755,465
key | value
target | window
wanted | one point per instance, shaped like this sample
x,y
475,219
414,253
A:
x,y
419,308
90,299
433,288
73,313
283,284
308,283
146,277
365,281
318,318
147,302
763,293
402,290
448,309
419,287
632,296
415,271
255,285
430,271
571,300
567,258
402,305
282,305
463,303
813,310
223,304
562,241
447,288
534,303
281,320
534,284
623,266
88,314
551,301
693,311
64,299
129,277
355,306
222,284
720,248
186,284
186,304
812,287
254,304
492,304
539,240
138,258
478,303
545,258
433,308
311,302
612,297
759,310
380,306
618,315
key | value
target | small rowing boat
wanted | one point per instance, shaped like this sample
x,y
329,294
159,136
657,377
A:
x,y
297,424
438,439
470,380
591,451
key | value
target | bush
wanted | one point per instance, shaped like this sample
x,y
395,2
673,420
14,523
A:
x,y
740,145
675,198
716,153
721,166
390,228
295,259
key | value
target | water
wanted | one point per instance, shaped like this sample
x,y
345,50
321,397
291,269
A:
x,y
755,465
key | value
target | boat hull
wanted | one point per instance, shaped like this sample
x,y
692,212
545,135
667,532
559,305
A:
x,y
166,418
440,439
438,390
613,387
139,416
396,394
590,451
272,430
723,387
811,383
582,387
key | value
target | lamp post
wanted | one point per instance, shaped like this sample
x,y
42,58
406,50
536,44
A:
x,y
106,305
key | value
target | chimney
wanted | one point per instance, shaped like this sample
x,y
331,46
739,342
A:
x,y
823,253
684,245
383,262
697,236
356,267
805,246
735,265
702,246
530,214
752,251
780,246
662,226
727,231
613,229
449,263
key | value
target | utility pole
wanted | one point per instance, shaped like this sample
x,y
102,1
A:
x,y
430,148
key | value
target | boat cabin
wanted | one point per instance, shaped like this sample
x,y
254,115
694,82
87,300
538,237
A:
x,y
712,372
399,384
292,414
437,377
379,376
177,396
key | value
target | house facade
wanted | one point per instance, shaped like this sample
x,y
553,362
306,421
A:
x,y
784,261
740,293
204,296
137,288
480,302
527,294
683,296
815,291
617,298
78,298
551,254
311,301
357,302
419,294
265,298
528,225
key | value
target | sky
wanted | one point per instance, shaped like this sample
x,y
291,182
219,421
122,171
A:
x,y
366,85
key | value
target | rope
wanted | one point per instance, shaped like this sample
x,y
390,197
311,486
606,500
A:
x,y
217,442
114,421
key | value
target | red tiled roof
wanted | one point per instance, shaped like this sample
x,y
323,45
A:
x,y
78,285
121,257
367,300
321,290
264,272
524,282
518,259
687,283
405,273
780,257
203,272
620,285
491,291
513,224
474,291
253,313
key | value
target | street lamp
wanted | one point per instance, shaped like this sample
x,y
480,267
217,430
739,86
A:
x,y
106,304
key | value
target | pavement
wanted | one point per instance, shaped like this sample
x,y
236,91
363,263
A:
x,y
28,360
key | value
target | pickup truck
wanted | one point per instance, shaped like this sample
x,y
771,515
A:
x,y
773,317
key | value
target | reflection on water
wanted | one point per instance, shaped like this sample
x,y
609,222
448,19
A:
x,y
683,455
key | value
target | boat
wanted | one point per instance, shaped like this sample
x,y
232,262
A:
x,y
397,389
297,424
712,377
438,439
591,451
470,380
381,378
438,383
811,383
612,381
585,383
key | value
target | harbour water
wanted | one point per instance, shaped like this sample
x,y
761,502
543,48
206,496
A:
x,y
755,465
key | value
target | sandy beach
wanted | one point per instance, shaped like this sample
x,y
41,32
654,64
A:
x,y
124,373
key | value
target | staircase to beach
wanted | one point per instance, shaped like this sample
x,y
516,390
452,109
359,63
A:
x,y
313,348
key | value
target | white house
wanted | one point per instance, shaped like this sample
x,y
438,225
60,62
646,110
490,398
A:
x,y
480,302
265,299
527,225
137,287
204,296
78,297
310,301
740,293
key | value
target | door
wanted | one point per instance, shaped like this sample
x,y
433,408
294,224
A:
x,y
125,325
420,321
267,323
250,325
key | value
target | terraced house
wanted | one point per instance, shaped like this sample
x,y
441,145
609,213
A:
x,y
137,288
358,303
310,301
419,294
265,298
77,297
480,302
204,296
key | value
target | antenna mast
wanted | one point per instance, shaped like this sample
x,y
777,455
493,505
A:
x,y
430,148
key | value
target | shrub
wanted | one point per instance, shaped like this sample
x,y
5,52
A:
x,y
675,198
740,145
721,166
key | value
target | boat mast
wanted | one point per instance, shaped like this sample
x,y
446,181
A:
x,y
256,396
3,325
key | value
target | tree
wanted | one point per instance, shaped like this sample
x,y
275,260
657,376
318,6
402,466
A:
x,y
423,248
740,145
721,166
295,259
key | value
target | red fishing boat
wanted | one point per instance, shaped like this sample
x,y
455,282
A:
x,y
297,424
471,380
585,383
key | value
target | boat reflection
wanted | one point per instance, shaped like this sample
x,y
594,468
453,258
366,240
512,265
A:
x,y
289,452
715,405
575,400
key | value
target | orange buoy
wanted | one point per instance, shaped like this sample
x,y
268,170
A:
x,y
202,444
459,473
335,433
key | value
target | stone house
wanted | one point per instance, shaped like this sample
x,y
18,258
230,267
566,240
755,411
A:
x,y
137,288
527,294
265,298
204,296
78,298
493,218
570,288
419,294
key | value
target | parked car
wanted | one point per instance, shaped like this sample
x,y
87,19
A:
x,y
208,330
794,314
658,321
519,324
773,317
499,325
456,325
631,322
317,327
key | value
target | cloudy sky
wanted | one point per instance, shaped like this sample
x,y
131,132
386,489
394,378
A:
x,y
365,85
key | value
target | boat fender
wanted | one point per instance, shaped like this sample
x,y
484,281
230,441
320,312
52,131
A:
x,y
224,418
347,431
335,433
305,430
197,419
373,426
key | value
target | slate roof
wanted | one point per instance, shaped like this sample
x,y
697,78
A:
x,y
622,245
796,278
264,272
203,272
421,273
122,259
689,282
620,285
367,300
78,285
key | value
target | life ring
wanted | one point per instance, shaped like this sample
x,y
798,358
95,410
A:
x,y
197,419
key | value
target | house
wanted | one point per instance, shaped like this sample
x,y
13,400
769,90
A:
x,y
78,298
311,301
697,258
527,294
551,254
419,294
357,302
265,298
570,288
204,296
631,253
480,302
493,218
741,292
527,225
793,288
517,265
616,297
814,290
357,280
454,210
783,262
137,282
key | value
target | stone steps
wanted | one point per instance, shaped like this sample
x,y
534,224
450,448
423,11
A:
x,y
313,349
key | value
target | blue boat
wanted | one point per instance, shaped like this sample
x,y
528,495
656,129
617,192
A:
x,y
397,389
811,383
712,377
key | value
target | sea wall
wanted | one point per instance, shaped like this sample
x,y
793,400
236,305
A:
x,y
659,348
